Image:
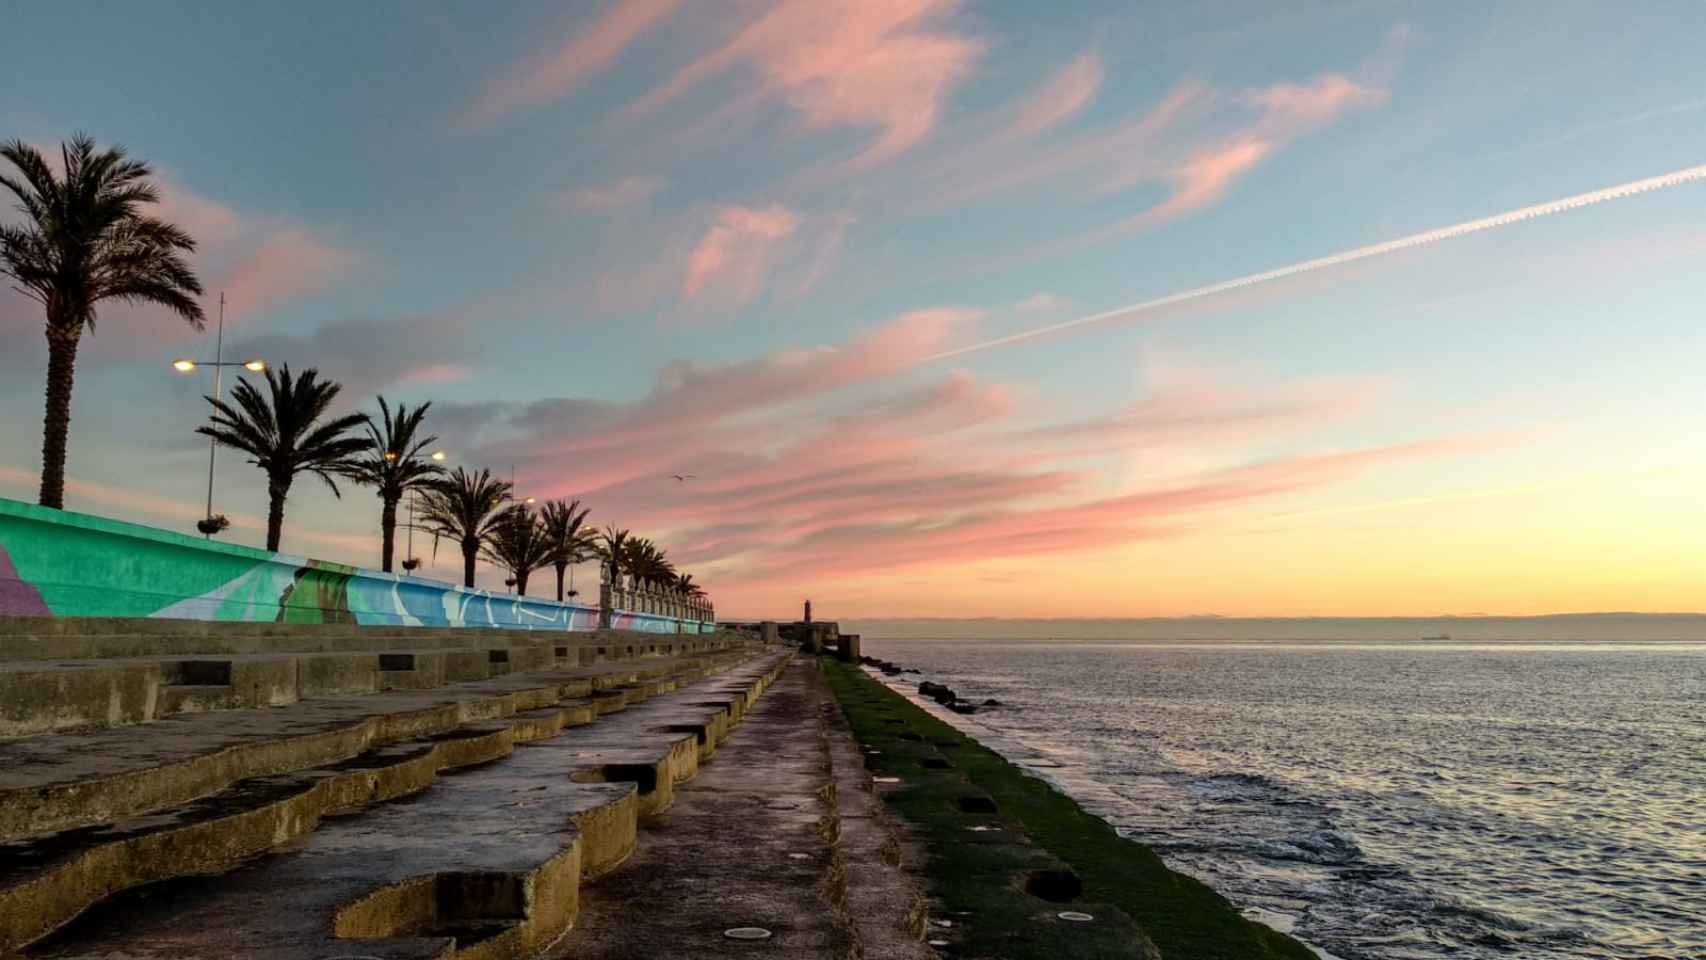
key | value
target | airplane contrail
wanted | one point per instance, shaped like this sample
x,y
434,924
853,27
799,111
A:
x,y
1347,256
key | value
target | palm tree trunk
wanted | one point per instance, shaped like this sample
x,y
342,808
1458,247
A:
x,y
56,424
521,583
470,550
562,568
388,533
276,492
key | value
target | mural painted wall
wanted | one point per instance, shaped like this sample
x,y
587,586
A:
x,y
61,564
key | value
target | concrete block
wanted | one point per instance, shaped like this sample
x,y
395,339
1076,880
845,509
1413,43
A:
x,y
41,699
330,674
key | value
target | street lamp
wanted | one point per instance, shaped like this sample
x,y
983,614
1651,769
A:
x,y
437,456
218,363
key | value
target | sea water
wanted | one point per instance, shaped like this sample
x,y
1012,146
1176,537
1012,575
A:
x,y
1386,800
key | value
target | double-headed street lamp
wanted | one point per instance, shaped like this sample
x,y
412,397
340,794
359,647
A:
x,y
218,363
409,561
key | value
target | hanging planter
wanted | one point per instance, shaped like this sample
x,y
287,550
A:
x,y
213,524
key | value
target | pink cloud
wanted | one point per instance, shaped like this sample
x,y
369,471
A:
x,y
826,249
1043,302
586,52
621,193
288,263
1202,180
1060,98
1286,110
258,261
1118,155
884,547
1290,107
729,263
841,460
887,66
1207,407
436,373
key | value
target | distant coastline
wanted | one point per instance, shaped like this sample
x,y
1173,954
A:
x,y
1589,627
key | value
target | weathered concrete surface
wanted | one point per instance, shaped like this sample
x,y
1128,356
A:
x,y
884,899
61,781
483,864
752,841
124,685
75,638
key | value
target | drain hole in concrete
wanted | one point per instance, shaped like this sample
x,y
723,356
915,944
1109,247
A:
x,y
197,673
934,763
1055,886
972,803
698,730
946,743
915,738
895,722
497,656
562,651
642,775
396,662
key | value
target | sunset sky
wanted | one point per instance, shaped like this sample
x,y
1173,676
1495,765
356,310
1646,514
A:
x,y
614,240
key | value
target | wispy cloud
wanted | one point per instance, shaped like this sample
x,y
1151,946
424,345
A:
x,y
826,461
587,51
729,263
288,263
368,354
1060,98
887,66
624,192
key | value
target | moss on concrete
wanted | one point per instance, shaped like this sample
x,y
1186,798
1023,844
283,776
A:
x,y
979,877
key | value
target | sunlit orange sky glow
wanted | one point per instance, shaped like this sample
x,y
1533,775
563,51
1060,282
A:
x,y
951,308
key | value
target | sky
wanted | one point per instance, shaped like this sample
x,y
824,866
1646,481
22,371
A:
x,y
828,257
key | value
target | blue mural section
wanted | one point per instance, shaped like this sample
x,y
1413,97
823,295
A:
x,y
63,564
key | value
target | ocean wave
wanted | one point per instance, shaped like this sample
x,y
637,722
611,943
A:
x,y
1324,847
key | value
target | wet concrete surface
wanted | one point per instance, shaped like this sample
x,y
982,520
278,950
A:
x,y
752,842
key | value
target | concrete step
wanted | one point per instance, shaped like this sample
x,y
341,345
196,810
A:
x,y
79,638
493,856
53,695
56,782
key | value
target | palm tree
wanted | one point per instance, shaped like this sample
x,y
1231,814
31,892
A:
x,y
518,543
84,240
569,543
393,465
614,542
464,507
685,586
647,564
288,433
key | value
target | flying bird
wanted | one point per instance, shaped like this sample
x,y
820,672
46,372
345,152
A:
x,y
679,477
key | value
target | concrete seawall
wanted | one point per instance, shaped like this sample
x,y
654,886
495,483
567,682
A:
x,y
62,564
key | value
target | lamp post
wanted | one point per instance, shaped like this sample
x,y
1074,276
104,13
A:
x,y
218,363
437,456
